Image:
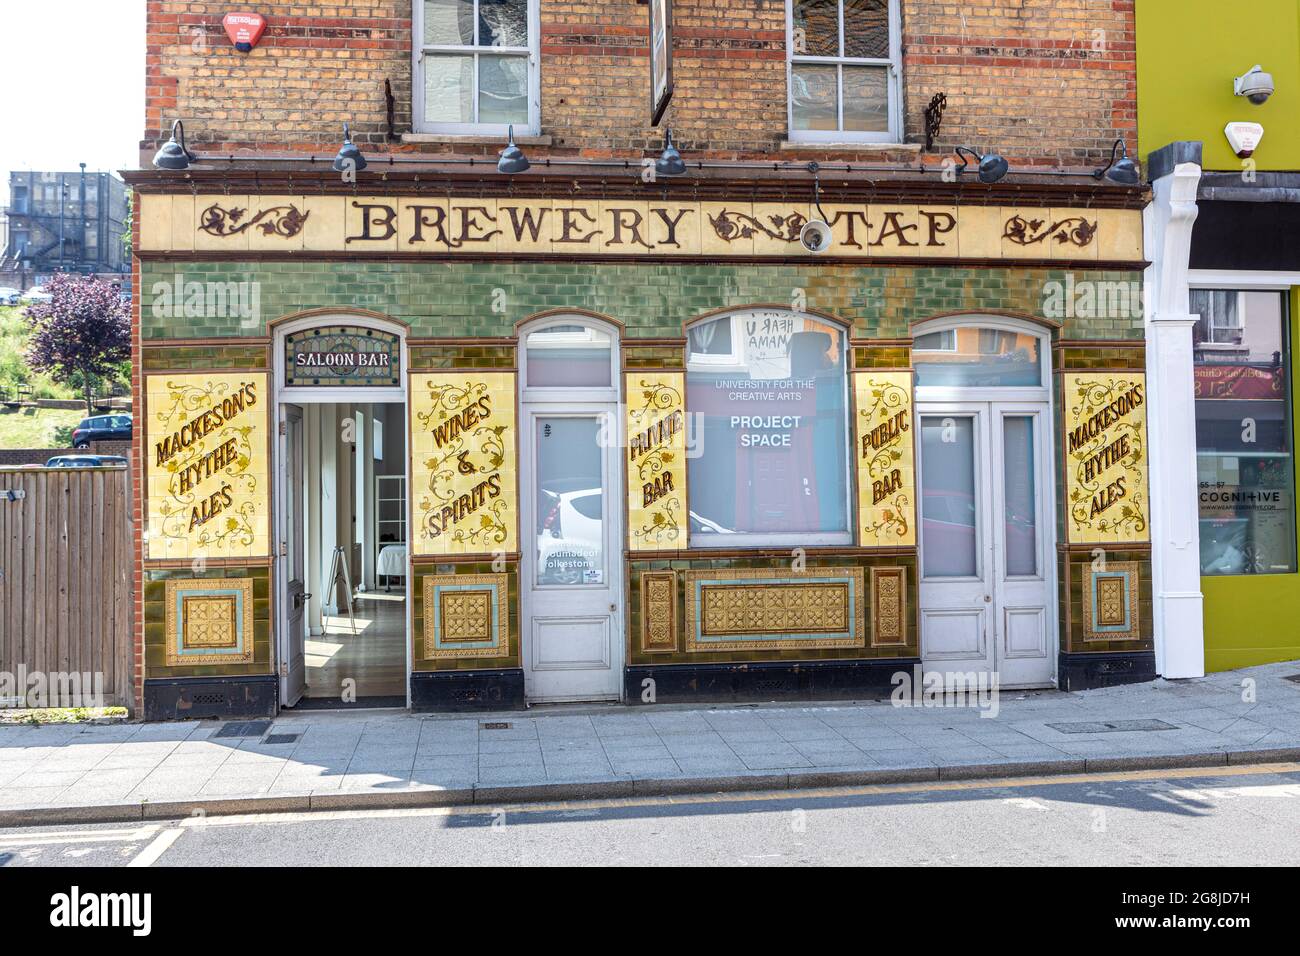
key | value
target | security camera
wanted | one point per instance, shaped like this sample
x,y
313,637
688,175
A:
x,y
816,236
1254,84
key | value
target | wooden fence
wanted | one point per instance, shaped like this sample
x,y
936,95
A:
x,y
65,586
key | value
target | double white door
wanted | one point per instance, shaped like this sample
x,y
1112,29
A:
x,y
986,589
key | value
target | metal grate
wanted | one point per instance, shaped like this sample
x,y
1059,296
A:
x,y
1293,678
1111,726
495,725
281,738
243,728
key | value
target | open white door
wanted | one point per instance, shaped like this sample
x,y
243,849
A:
x,y
292,560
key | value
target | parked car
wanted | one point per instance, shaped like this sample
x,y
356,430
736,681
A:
x,y
85,461
570,536
36,294
9,295
101,428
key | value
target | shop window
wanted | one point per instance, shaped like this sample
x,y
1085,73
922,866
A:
x,y
843,70
1244,436
767,391
973,357
475,66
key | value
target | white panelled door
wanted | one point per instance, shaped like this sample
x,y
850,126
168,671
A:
x,y
986,598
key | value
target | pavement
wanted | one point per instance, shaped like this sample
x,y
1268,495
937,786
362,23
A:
x,y
322,760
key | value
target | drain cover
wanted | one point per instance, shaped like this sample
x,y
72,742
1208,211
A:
x,y
281,738
1293,678
243,728
1110,726
495,725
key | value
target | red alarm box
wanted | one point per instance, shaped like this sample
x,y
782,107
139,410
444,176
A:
x,y
244,29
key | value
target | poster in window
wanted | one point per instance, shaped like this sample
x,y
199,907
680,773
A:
x,y
661,58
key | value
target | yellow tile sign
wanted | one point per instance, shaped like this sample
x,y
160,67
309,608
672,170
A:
x,y
1105,457
656,461
464,473
207,480
440,227
885,452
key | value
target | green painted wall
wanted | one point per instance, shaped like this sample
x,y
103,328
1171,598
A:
x,y
1188,52
1252,618
486,299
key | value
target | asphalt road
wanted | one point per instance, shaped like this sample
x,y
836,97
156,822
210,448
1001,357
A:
x,y
1241,816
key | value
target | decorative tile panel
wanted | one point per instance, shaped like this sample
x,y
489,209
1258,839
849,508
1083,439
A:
x,y
464,476
465,615
888,606
885,450
1105,443
207,478
762,610
656,462
659,612
209,621
1111,602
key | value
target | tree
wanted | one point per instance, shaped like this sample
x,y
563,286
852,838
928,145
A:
x,y
83,333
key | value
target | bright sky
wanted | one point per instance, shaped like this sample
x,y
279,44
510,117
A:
x,y
71,85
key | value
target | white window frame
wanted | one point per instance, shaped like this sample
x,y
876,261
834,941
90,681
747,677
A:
x,y
991,393
894,86
570,393
419,51
744,540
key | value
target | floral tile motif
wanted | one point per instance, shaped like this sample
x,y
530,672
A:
x,y
209,621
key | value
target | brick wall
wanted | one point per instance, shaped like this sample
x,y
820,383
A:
x,y
1044,83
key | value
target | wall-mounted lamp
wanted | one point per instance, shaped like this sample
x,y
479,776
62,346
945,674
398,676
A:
x,y
992,167
1254,84
670,161
1124,171
512,159
349,158
173,154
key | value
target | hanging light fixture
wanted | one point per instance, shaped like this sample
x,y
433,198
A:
x,y
992,167
349,158
1124,172
512,158
173,154
670,161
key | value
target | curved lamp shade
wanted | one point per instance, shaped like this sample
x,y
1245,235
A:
x,y
173,154
512,158
1124,171
349,157
670,161
992,167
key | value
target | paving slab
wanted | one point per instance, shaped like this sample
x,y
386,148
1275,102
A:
x,y
373,759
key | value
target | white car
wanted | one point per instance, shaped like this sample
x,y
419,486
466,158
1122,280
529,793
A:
x,y
10,296
37,294
570,537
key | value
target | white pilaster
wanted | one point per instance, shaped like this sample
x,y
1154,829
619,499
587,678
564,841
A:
x,y
1171,421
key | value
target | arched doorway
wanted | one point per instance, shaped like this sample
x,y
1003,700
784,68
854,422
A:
x,y
571,501
340,510
987,543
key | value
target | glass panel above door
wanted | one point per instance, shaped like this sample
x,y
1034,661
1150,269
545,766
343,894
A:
x,y
948,503
972,357
570,501
569,356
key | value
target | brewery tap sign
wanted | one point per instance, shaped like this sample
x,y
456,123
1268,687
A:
x,y
244,29
1105,443
342,355
207,480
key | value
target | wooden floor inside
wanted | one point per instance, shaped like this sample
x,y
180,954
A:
x,y
369,649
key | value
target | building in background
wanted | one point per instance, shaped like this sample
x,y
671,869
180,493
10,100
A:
x,y
1222,237
655,439
63,222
